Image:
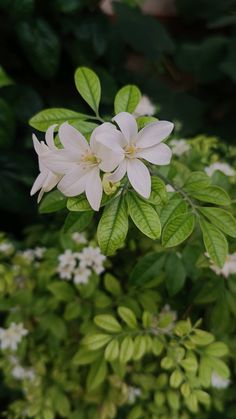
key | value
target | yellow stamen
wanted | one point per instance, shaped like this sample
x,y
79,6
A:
x,y
91,158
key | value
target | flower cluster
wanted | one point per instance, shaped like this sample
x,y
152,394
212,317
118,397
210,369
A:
x,y
6,248
221,167
79,265
11,337
179,147
76,167
229,267
19,372
31,255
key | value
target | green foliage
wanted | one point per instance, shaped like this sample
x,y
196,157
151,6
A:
x,y
88,85
127,99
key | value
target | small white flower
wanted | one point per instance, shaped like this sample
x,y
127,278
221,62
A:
x,y
179,147
229,267
132,146
18,372
145,107
11,337
67,264
79,238
81,162
30,374
47,179
219,382
81,275
133,394
39,252
6,248
91,257
222,167
28,255
170,188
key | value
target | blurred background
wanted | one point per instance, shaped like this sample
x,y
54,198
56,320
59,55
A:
x,y
181,53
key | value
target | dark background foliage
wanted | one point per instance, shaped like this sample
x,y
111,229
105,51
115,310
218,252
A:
x,y
185,61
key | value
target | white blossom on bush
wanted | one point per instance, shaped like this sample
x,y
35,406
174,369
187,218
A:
x,y
179,147
47,179
6,248
81,275
145,107
229,267
67,264
132,146
79,238
11,337
219,382
133,394
222,167
91,257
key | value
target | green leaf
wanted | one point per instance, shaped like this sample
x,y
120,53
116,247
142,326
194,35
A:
x,y
112,285
217,349
176,378
55,324
201,337
178,229
41,46
158,192
175,274
139,347
215,243
221,219
189,364
196,181
112,350
84,356
113,226
107,322
62,290
44,119
53,201
126,349
219,367
212,194
97,374
205,372
5,80
175,206
127,99
128,317
148,267
72,311
96,341
144,216
80,203
142,121
88,85
77,222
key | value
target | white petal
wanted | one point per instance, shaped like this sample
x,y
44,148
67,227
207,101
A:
x,y
37,145
72,139
51,181
159,154
61,161
119,173
49,136
139,177
73,183
38,183
93,188
109,159
105,128
154,133
113,140
127,124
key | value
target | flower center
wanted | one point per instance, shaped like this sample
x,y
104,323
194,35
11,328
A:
x,y
130,151
91,159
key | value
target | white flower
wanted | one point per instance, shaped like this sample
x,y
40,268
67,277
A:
x,y
28,255
47,179
132,146
79,238
145,107
18,372
67,264
39,252
222,167
179,147
81,162
91,257
229,267
11,337
133,394
6,248
170,188
219,382
81,275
